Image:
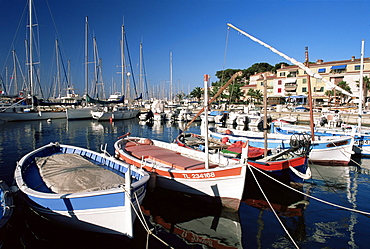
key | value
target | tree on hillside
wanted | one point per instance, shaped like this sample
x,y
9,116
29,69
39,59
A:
x,y
278,66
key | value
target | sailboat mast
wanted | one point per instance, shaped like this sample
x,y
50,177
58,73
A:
x,y
31,52
171,76
361,86
123,61
58,69
141,88
86,58
310,97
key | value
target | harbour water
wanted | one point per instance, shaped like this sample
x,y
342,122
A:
x,y
177,220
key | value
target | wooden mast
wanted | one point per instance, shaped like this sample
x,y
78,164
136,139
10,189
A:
x,y
310,97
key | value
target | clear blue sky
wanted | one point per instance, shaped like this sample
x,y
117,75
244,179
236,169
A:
x,y
193,30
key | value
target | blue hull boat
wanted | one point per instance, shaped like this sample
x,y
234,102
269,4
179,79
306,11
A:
x,y
82,189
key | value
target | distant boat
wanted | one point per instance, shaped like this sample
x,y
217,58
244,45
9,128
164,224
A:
x,y
32,112
81,189
116,112
286,119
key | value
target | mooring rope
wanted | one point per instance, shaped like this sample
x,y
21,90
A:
x,y
143,222
272,209
313,197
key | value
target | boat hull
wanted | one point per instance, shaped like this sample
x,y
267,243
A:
x,y
220,184
114,115
106,210
31,116
335,152
79,113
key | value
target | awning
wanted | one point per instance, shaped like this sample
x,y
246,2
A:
x,y
297,96
289,80
339,67
321,70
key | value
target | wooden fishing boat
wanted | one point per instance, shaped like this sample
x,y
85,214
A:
x,y
81,188
288,165
326,150
186,170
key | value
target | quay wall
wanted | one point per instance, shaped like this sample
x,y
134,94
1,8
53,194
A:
x,y
304,117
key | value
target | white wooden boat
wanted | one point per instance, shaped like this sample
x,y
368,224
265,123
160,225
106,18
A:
x,y
79,113
114,113
326,150
182,169
81,189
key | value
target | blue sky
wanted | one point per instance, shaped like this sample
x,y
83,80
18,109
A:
x,y
194,31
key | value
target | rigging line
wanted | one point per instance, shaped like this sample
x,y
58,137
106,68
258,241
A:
x,y
132,71
272,209
16,32
225,53
313,197
145,79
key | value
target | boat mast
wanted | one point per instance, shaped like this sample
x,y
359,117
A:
x,y
123,61
31,54
265,114
361,86
171,77
86,58
58,69
310,97
206,80
141,83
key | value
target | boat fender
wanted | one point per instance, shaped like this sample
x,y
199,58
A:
x,y
224,140
300,174
228,132
147,141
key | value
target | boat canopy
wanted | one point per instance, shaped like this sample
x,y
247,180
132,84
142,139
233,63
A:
x,y
72,173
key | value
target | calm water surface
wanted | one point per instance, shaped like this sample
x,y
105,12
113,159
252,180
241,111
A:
x,y
181,222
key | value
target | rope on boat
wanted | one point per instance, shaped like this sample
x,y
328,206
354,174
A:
x,y
143,222
272,209
300,174
313,197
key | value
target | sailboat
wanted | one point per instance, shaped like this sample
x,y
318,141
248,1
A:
x,y
114,110
34,111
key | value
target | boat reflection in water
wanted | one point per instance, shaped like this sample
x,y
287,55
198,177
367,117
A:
x,y
267,202
185,222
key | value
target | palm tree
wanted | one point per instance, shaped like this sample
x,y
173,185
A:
x,y
180,96
365,86
197,93
251,92
346,87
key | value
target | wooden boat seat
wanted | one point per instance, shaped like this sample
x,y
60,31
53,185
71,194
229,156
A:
x,y
165,156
